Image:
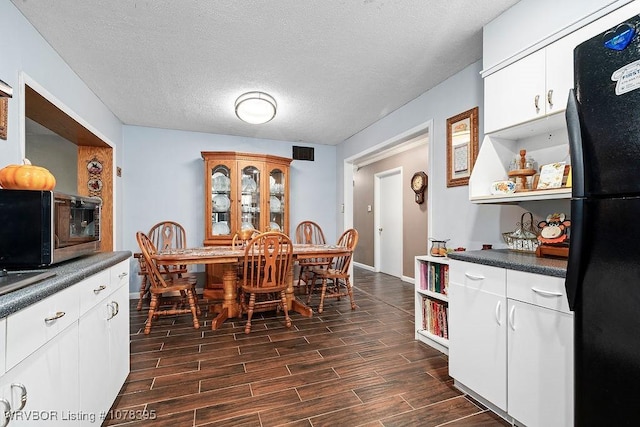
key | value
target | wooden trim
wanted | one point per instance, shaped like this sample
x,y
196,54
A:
x,y
4,116
44,112
105,156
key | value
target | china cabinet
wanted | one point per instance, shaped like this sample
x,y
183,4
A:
x,y
431,301
244,191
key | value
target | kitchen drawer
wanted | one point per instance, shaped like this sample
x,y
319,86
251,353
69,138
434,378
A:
x,y
537,289
94,289
32,327
478,276
120,274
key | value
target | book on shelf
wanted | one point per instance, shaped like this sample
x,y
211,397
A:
x,y
445,279
434,317
423,275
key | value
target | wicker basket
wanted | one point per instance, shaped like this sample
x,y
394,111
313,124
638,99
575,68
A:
x,y
525,236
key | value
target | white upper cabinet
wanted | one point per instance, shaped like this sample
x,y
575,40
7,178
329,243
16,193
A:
x,y
531,88
524,102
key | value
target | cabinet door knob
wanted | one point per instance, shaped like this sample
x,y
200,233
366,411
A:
x,y
23,394
536,102
114,309
6,410
99,289
498,320
550,98
121,275
56,316
512,318
474,276
546,293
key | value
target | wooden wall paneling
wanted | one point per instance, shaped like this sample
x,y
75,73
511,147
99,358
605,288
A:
x,y
104,155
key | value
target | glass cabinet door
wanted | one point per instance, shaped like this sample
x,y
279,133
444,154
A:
x,y
277,200
221,207
244,191
250,197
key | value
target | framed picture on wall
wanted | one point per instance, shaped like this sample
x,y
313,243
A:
x,y
462,146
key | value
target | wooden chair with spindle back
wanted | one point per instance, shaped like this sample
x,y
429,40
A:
x,y
268,258
166,286
308,232
164,235
336,280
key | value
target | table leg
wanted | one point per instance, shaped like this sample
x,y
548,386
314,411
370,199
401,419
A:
x,y
230,304
219,319
293,303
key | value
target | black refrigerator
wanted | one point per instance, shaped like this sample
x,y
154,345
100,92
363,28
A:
x,y
603,273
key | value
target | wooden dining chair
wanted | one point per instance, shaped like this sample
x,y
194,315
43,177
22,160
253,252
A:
x,y
335,279
308,232
268,258
172,287
164,235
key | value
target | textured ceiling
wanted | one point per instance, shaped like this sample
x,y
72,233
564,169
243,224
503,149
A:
x,y
333,66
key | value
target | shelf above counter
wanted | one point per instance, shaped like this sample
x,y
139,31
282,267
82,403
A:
x,y
524,196
545,140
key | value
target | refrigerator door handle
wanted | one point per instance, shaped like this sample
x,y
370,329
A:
x,y
572,115
576,252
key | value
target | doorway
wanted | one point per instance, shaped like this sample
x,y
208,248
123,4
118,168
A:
x,y
388,222
353,206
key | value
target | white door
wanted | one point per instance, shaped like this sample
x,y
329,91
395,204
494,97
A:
x,y
388,222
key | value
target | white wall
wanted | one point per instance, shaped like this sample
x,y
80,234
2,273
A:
x,y
23,50
163,173
60,157
453,216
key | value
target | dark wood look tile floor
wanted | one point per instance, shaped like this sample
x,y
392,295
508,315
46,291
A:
x,y
340,368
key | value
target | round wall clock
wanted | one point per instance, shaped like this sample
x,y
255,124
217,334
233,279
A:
x,y
418,185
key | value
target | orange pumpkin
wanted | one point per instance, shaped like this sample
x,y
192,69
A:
x,y
26,177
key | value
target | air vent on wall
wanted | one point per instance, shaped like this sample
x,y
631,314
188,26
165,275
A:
x,y
303,153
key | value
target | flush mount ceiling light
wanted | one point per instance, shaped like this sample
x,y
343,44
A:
x,y
255,107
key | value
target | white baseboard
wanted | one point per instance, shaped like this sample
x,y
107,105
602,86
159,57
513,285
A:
x,y
366,267
370,268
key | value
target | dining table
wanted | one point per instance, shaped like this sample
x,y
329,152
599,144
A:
x,y
226,296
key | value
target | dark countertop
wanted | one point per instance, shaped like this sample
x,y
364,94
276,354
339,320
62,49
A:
x,y
515,261
67,274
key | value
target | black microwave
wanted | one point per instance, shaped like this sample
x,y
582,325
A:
x,y
40,228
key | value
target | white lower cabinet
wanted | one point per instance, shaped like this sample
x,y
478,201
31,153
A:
x,y
477,330
540,367
104,351
47,380
63,368
514,349
540,356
